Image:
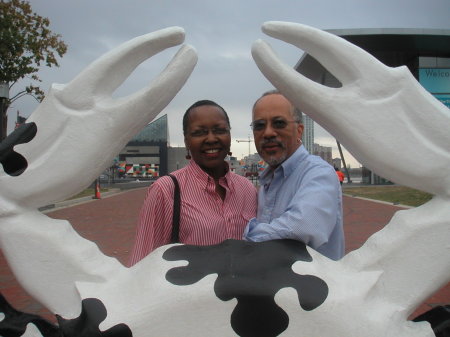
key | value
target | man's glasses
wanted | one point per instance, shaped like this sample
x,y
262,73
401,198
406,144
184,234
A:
x,y
205,132
278,124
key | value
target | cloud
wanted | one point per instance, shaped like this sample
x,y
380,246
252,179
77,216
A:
x,y
222,33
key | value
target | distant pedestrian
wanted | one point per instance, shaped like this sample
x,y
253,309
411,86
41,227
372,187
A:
x,y
340,175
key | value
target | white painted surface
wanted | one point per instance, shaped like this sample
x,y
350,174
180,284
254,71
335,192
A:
x,y
372,290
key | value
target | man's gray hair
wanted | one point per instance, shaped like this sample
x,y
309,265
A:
x,y
296,113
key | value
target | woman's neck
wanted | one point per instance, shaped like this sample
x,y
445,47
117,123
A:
x,y
217,172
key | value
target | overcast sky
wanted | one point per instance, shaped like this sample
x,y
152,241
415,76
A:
x,y
222,33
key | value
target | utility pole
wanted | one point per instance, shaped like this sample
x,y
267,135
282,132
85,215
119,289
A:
x,y
246,141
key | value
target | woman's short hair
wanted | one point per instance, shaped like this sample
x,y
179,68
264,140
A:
x,y
196,105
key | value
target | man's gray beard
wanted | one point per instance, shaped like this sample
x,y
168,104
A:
x,y
274,162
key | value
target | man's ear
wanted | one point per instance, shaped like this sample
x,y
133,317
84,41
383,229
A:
x,y
300,129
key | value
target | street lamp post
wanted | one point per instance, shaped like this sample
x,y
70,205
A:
x,y
349,180
4,96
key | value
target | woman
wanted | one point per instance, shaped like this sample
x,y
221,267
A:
x,y
216,204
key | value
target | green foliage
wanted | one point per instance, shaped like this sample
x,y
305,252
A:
x,y
26,43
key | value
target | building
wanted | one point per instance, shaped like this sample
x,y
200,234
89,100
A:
x,y
324,152
308,133
234,164
426,53
337,163
176,158
146,154
250,165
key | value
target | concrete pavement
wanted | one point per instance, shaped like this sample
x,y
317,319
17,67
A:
x,y
110,223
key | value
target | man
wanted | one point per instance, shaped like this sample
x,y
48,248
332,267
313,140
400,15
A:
x,y
299,196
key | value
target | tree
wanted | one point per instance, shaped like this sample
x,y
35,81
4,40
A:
x,y
26,43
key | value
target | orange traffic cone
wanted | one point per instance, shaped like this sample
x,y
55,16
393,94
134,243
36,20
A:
x,y
97,190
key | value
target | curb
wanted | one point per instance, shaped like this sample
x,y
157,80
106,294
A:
x,y
112,191
378,201
72,202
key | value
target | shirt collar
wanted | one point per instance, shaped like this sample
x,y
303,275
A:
x,y
204,178
286,167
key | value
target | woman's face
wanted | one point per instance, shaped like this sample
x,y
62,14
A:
x,y
208,138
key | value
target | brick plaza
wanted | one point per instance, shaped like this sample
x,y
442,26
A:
x,y
110,223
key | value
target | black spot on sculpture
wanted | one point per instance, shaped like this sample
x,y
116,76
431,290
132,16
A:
x,y
14,163
87,325
93,313
370,292
14,323
252,273
439,319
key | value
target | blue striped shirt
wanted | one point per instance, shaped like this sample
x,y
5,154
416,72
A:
x,y
302,200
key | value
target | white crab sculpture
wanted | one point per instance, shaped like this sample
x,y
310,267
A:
x,y
382,115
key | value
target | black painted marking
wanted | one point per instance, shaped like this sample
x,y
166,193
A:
x,y
252,273
439,319
14,164
15,322
93,313
87,325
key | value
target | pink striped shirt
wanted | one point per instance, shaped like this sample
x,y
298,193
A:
x,y
205,218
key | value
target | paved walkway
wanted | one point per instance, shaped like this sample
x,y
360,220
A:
x,y
110,222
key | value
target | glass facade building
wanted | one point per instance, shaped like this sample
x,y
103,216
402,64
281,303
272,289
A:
x,y
308,133
425,52
154,133
146,154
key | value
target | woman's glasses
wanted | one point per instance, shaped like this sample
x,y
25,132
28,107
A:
x,y
205,132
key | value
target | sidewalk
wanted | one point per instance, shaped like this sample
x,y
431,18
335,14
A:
x,y
110,223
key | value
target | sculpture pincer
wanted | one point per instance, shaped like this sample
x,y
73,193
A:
x,y
275,288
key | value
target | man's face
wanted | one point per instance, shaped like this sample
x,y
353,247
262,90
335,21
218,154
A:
x,y
277,136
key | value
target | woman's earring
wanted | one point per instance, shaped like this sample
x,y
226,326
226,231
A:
x,y
188,155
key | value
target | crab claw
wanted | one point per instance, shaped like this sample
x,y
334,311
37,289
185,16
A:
x,y
80,127
377,111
